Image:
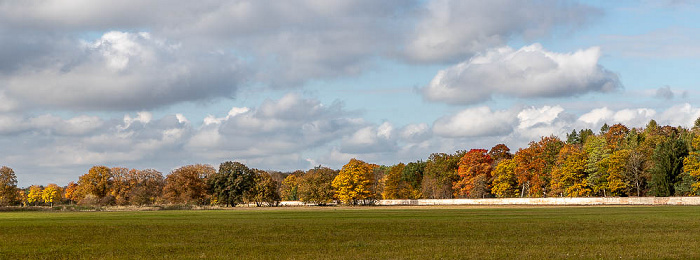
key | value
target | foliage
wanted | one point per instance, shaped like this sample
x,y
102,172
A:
x,y
232,184
71,192
97,182
290,186
394,187
474,172
51,194
353,185
668,165
691,166
615,166
569,176
265,190
34,195
505,184
8,187
440,172
413,177
315,185
188,184
597,177
146,186
534,165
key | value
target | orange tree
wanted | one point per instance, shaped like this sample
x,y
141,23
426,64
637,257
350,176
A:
x,y
474,173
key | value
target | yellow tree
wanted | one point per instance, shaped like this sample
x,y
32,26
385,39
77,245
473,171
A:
x,y
353,185
615,165
51,194
392,182
34,195
569,175
122,182
505,184
290,186
96,182
691,166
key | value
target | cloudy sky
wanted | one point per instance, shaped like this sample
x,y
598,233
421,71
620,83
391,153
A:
x,y
285,85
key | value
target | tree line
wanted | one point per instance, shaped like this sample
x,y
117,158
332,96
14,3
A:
x,y
616,161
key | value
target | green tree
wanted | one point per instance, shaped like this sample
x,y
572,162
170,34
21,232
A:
x,y
668,164
440,172
9,193
413,177
232,184
597,178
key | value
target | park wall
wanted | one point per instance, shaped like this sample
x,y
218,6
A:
x,y
551,201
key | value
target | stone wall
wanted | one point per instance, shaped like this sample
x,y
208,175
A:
x,y
551,201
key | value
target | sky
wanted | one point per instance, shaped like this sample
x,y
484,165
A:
x,y
286,85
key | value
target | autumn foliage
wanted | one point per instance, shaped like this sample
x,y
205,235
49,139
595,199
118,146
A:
x,y
616,161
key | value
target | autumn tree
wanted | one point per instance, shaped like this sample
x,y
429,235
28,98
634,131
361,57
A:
x,y
393,184
691,164
290,186
534,165
353,185
146,186
315,186
51,194
615,136
474,174
121,184
71,192
232,184
97,182
615,166
504,184
34,195
264,190
9,192
188,184
569,175
439,174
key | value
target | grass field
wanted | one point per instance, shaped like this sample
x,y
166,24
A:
x,y
357,233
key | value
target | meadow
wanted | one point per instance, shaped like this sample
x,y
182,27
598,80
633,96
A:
x,y
356,233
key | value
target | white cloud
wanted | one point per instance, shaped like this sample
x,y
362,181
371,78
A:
x,y
122,71
479,121
450,31
528,72
532,116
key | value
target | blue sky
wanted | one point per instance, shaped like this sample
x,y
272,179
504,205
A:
x,y
285,85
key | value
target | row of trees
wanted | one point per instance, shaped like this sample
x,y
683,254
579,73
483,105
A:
x,y
617,161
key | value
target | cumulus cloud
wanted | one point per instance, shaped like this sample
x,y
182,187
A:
x,y
479,121
530,71
290,124
124,71
450,31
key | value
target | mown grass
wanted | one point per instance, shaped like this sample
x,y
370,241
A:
x,y
357,233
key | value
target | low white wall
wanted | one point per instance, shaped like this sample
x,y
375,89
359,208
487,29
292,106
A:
x,y
551,201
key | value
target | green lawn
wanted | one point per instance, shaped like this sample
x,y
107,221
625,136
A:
x,y
357,233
